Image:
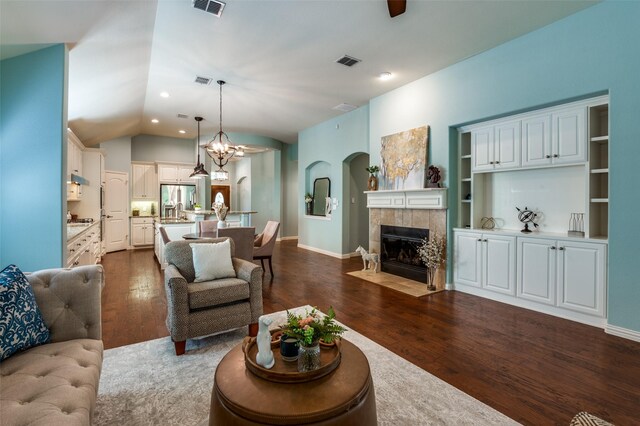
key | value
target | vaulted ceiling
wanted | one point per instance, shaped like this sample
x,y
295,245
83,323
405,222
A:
x,y
278,57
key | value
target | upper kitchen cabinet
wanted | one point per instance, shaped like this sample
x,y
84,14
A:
x,y
555,139
74,155
175,173
144,184
496,147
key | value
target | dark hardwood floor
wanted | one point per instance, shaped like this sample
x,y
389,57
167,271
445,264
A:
x,y
535,368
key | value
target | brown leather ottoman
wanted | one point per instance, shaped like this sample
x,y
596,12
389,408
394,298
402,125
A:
x,y
344,397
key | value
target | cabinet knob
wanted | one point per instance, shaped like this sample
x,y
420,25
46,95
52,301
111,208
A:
x,y
547,156
552,247
72,249
560,248
497,162
480,239
555,155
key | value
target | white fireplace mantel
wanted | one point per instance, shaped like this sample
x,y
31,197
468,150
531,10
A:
x,y
425,198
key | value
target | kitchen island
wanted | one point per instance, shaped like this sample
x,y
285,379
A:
x,y
241,218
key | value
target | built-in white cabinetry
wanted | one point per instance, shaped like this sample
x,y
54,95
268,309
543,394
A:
x,y
74,154
85,248
496,147
563,277
144,185
142,231
485,261
568,274
175,173
536,140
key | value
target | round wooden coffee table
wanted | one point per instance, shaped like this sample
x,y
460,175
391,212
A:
x,y
344,397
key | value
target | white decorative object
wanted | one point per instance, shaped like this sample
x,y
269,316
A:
x,y
222,224
265,355
368,258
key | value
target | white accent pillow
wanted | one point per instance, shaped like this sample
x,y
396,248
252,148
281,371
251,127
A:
x,y
212,261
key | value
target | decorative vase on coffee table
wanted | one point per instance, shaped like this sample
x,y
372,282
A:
x,y
309,357
288,348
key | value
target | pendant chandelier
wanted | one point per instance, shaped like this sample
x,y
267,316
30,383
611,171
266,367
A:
x,y
198,171
220,148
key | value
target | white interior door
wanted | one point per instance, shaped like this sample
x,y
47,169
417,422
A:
x,y
116,210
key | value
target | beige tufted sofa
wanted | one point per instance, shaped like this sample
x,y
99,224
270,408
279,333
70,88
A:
x,y
57,383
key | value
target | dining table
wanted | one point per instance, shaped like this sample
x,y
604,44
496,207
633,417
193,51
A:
x,y
201,235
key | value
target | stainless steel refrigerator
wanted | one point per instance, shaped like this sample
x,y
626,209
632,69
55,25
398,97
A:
x,y
174,199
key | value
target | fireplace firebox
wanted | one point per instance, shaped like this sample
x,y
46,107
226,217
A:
x,y
399,251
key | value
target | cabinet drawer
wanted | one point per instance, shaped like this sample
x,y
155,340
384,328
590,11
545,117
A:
x,y
141,220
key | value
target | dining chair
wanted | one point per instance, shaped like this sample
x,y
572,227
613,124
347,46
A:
x,y
207,226
264,243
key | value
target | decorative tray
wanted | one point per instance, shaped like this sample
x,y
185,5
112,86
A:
x,y
287,371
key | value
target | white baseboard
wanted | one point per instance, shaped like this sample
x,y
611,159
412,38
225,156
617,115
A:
x,y
449,286
325,252
622,332
295,237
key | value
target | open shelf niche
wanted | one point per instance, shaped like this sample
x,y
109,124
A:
x,y
599,171
465,192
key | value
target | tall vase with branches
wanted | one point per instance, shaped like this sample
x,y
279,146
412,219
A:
x,y
431,252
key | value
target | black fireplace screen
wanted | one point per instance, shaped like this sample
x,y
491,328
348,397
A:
x,y
399,251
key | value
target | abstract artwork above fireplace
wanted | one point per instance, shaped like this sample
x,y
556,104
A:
x,y
404,159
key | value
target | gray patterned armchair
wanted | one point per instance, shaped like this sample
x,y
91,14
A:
x,y
203,308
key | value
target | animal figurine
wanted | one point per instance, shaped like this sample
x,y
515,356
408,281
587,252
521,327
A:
x,y
265,355
368,258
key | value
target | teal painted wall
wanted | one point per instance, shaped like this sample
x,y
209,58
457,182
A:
x,y
332,142
33,117
590,52
117,154
289,209
162,148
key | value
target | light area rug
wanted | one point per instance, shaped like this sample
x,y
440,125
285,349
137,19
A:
x,y
147,384
394,282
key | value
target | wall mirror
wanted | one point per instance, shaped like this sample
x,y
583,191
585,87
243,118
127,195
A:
x,y
321,190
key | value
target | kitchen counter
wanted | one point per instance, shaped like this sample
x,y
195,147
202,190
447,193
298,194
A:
x,y
243,218
145,215
74,230
208,212
175,221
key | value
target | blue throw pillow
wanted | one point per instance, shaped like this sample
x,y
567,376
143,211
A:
x,y
21,323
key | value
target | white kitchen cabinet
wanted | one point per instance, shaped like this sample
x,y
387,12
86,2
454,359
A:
x,y
468,258
142,231
74,155
568,139
537,270
485,260
175,173
568,274
536,140
183,174
581,277
555,139
496,147
143,184
482,148
175,231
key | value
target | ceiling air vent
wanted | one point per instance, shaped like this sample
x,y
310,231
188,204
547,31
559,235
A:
x,y
212,6
345,107
348,61
182,115
202,80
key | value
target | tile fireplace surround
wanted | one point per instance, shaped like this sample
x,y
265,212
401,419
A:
x,y
428,216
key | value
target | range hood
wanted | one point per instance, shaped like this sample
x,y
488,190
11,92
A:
x,y
79,180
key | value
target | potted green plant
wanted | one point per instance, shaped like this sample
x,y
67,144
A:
x,y
372,183
309,330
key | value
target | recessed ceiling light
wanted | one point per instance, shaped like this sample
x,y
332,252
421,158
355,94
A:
x,y
155,120
182,131
164,94
384,76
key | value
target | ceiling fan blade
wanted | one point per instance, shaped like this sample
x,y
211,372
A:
x,y
396,7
